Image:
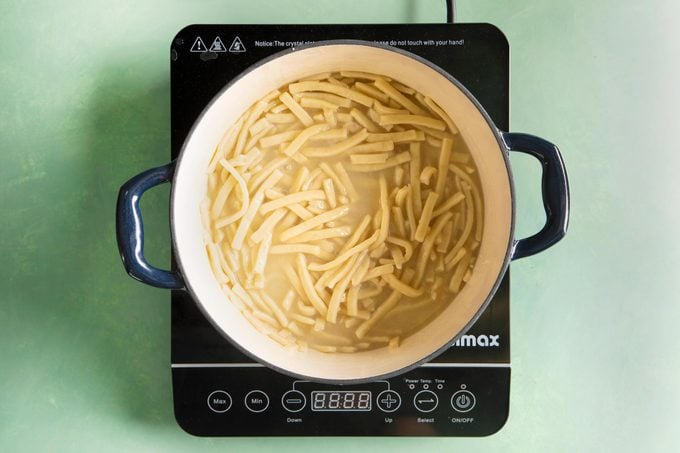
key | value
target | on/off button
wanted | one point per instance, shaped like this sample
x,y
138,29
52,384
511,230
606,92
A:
x,y
463,401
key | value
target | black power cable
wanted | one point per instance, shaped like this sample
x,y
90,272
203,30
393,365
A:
x,y
450,11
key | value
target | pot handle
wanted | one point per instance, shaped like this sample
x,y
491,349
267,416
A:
x,y
130,229
555,192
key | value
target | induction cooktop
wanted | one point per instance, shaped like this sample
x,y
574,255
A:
x,y
219,391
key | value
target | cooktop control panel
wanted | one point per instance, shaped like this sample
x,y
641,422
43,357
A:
x,y
429,400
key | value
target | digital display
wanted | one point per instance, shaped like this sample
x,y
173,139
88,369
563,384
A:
x,y
341,401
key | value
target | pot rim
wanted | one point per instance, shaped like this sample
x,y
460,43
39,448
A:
x,y
492,291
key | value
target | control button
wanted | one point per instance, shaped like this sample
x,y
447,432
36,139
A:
x,y
425,401
219,401
257,401
463,401
388,401
293,401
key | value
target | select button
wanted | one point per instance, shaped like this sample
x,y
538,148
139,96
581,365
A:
x,y
219,401
425,401
257,401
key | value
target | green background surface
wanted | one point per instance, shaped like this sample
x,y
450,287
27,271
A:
x,y
84,105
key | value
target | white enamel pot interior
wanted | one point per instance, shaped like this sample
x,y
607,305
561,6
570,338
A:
x,y
190,183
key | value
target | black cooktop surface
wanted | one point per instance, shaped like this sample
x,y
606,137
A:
x,y
219,391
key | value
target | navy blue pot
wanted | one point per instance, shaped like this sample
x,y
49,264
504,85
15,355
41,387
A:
x,y
489,147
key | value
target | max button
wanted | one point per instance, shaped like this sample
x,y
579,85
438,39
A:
x,y
219,401
256,401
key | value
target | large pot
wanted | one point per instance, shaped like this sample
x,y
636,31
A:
x,y
487,144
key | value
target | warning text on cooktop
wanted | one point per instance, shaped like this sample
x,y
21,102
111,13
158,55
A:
x,y
392,42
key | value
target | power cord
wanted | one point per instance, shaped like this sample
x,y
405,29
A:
x,y
450,11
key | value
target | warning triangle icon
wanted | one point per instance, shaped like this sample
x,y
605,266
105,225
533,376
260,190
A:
x,y
218,46
198,46
237,46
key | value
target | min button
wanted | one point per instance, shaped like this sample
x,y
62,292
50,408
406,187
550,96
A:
x,y
257,401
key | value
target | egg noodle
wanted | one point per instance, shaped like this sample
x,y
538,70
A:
x,y
343,213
